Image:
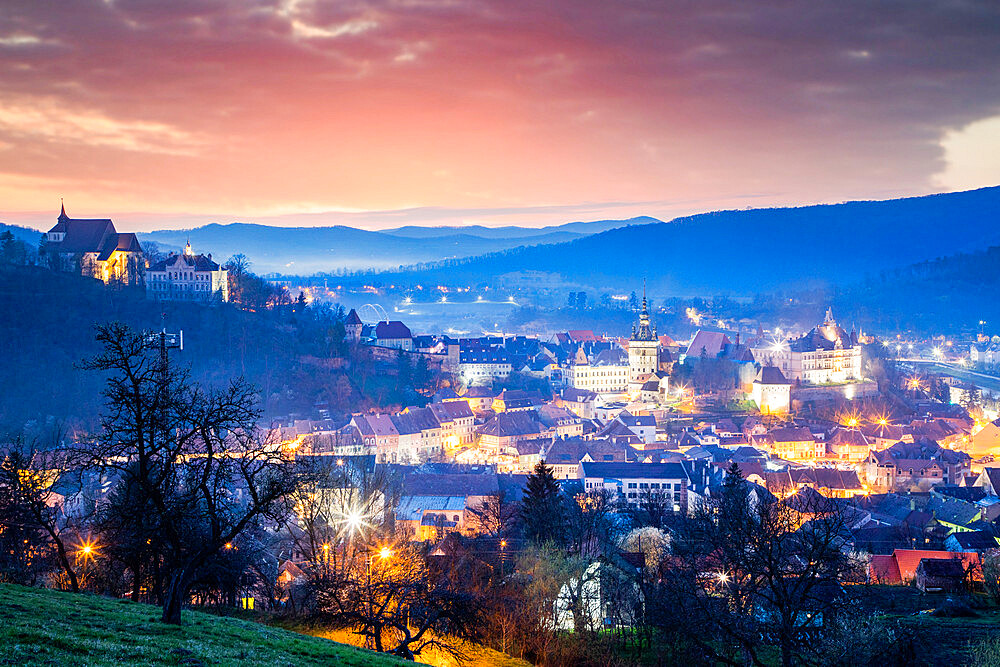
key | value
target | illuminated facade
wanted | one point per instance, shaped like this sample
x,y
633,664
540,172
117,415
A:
x,y
93,247
187,277
825,355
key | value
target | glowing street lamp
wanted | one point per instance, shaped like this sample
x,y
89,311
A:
x,y
722,577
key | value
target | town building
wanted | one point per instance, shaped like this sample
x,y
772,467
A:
x,y
393,334
608,373
827,354
93,248
916,465
187,277
482,364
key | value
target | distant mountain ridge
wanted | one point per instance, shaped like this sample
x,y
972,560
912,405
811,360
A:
x,y
308,250
751,251
514,231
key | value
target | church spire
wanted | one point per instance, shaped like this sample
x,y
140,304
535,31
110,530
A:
x,y
62,210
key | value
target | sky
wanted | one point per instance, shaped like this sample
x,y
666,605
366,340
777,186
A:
x,y
388,112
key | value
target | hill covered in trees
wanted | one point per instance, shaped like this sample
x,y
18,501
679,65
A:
x,y
294,354
751,251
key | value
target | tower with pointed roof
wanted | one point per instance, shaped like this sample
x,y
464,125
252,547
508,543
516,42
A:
x,y
643,346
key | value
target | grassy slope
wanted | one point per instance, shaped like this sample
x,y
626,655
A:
x,y
43,627
473,655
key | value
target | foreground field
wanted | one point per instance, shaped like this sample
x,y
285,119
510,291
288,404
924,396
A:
x,y
43,627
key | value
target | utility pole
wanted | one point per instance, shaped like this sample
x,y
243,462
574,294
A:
x,y
163,342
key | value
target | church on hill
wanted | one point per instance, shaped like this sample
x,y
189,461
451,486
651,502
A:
x,y
93,247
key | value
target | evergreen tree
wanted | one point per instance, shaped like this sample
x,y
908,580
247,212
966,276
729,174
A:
x,y
542,510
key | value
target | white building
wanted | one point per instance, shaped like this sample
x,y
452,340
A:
x,y
608,373
482,365
825,355
771,391
187,277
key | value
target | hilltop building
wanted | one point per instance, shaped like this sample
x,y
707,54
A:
x,y
93,247
187,277
827,354
353,327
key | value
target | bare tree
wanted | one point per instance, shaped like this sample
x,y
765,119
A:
x,y
495,516
390,597
200,470
33,530
755,577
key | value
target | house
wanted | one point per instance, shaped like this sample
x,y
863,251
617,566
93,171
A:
x,y
848,444
940,575
480,364
378,432
684,483
506,429
479,398
771,391
608,373
579,401
901,566
431,517
560,422
795,443
565,455
419,435
972,541
187,277
93,247
643,426
989,480
457,423
393,334
919,464
987,441
830,482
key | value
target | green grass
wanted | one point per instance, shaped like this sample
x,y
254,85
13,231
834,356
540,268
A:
x,y
44,627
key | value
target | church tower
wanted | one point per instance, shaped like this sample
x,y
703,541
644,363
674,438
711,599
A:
x,y
643,347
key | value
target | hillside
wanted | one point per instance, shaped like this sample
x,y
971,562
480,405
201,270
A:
x,y
47,322
947,294
747,252
44,627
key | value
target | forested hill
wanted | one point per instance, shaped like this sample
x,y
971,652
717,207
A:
x,y
949,294
746,252
47,327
